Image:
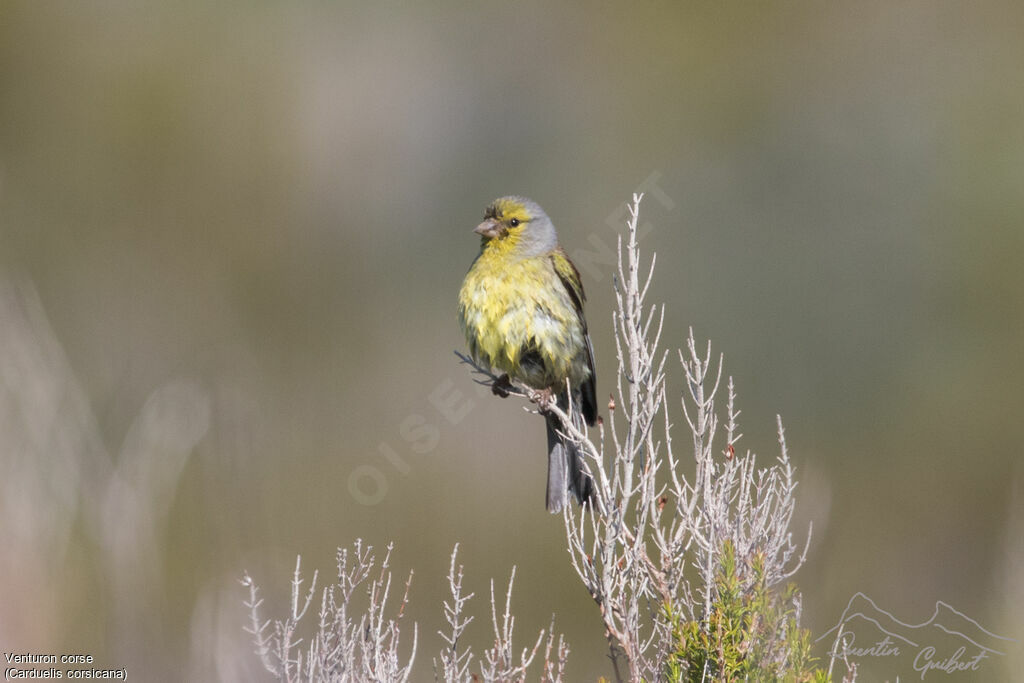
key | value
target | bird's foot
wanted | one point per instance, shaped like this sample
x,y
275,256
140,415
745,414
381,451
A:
x,y
544,398
502,386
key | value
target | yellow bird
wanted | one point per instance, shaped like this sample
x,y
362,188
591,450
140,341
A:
x,y
521,309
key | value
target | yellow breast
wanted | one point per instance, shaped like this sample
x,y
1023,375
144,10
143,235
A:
x,y
514,312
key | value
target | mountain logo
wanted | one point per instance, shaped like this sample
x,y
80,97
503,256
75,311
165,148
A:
x,y
949,641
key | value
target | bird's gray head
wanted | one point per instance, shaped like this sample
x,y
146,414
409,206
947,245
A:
x,y
519,225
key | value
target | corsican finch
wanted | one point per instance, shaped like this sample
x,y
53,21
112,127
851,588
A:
x,y
521,308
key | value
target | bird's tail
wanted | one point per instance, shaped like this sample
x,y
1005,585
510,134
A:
x,y
566,472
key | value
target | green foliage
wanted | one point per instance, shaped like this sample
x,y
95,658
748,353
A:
x,y
751,632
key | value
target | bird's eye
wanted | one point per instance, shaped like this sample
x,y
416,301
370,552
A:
x,y
514,222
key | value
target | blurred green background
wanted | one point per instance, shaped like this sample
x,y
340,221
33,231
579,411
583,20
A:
x,y
232,234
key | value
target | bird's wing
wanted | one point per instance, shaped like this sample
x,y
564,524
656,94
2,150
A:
x,y
570,278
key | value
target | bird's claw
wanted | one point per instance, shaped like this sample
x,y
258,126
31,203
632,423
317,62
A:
x,y
544,398
502,386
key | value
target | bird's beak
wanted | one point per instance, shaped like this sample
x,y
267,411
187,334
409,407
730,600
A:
x,y
490,228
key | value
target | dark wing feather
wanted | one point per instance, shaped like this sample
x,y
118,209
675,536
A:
x,y
570,278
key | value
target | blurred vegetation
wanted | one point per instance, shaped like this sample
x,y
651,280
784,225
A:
x,y
264,209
